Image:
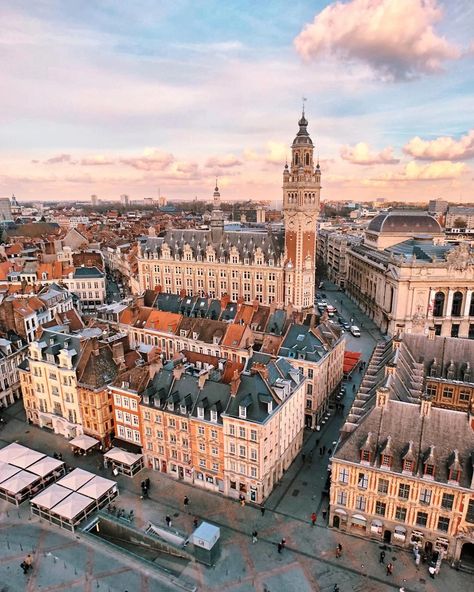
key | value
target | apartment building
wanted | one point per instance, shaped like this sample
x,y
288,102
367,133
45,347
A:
x,y
88,283
49,384
12,353
203,420
332,250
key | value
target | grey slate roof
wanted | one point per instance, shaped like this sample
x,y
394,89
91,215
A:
x,y
301,343
246,242
87,272
419,222
443,429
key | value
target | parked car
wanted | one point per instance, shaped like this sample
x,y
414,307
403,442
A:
x,y
346,325
330,310
355,331
323,295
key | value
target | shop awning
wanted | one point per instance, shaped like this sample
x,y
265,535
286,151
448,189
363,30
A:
x,y
351,359
83,442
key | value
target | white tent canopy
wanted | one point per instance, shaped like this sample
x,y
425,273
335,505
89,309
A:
x,y
51,496
7,471
96,487
84,442
76,479
45,466
72,506
26,459
122,456
11,451
19,482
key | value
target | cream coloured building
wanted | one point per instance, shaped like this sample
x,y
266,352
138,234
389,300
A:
x,y
268,267
406,279
49,384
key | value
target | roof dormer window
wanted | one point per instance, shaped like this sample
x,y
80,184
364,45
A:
x,y
386,461
408,466
429,470
214,415
242,412
200,412
365,456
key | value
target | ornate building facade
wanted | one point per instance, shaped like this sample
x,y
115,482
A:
x,y
407,279
253,265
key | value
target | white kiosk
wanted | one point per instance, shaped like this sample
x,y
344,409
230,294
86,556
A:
x,y
206,543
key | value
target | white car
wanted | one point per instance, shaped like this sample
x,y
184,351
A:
x,y
355,331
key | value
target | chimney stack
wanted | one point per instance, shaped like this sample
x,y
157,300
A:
x,y
118,353
203,376
235,383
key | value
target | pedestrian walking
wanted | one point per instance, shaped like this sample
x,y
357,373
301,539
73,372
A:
x,y
389,569
417,559
325,512
168,521
186,501
280,547
195,522
283,543
336,588
330,451
262,510
254,536
338,551
242,500
382,557
313,518
147,482
432,571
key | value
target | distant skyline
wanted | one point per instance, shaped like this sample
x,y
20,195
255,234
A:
x,y
146,96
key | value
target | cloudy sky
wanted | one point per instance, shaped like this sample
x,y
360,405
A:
x,y
134,97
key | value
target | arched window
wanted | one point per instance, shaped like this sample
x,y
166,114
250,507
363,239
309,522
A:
x,y
471,306
307,159
457,304
296,158
438,304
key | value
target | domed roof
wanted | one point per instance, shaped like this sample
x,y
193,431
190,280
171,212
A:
x,y
302,137
409,221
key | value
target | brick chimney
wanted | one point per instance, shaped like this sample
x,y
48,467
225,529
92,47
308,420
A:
x,y
154,367
235,383
178,371
118,352
203,376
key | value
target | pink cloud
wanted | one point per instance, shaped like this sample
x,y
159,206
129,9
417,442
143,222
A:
x,y
361,154
97,161
414,171
151,160
395,37
60,158
442,148
224,162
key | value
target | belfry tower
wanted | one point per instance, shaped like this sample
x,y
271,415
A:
x,y
301,192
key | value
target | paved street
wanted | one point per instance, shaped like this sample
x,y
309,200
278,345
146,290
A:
x,y
67,562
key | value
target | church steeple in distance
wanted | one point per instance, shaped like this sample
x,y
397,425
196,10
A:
x,y
217,217
301,193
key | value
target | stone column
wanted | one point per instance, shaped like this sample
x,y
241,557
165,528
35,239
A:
x,y
467,303
431,302
449,304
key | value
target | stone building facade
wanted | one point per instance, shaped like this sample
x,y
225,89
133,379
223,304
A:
x,y
406,279
255,265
